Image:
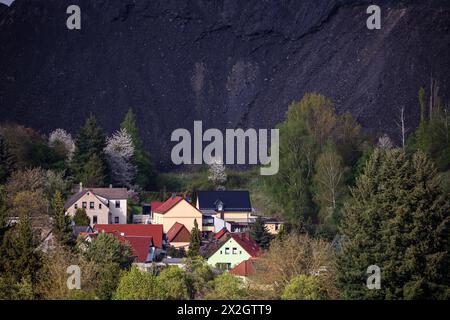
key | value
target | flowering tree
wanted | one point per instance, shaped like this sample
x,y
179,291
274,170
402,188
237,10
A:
x,y
119,150
384,142
61,137
217,174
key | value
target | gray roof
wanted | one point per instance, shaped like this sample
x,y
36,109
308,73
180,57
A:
x,y
233,200
107,193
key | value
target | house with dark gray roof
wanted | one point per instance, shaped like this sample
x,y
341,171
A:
x,y
230,206
102,205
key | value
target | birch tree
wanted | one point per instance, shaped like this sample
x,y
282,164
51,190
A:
x,y
329,181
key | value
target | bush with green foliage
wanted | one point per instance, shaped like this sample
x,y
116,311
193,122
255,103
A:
x,y
303,287
136,285
81,218
227,287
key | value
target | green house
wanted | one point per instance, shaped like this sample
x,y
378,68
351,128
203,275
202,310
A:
x,y
235,249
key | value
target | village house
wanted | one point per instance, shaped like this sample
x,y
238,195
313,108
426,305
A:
x,y
232,251
273,225
102,205
176,209
245,269
178,236
230,209
146,240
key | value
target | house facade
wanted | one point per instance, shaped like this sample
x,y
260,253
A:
x,y
178,236
177,210
222,208
102,205
234,250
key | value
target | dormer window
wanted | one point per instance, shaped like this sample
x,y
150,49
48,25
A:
x,y
219,206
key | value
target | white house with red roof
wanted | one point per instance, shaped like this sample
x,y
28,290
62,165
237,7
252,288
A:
x,y
232,251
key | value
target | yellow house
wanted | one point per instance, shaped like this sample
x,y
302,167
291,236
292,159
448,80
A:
x,y
174,210
273,225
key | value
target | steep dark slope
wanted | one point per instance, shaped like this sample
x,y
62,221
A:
x,y
229,63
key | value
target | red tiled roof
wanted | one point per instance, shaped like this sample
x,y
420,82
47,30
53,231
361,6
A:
x,y
247,243
220,234
155,231
155,204
169,204
245,268
140,245
175,230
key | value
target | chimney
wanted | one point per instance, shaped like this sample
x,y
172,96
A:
x,y
174,194
110,186
81,186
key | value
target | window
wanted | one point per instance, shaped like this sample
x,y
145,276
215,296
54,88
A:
x,y
220,251
234,251
76,206
117,203
84,205
94,219
227,250
116,219
99,205
91,205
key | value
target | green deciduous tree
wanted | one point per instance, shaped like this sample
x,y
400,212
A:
x,y
310,125
110,256
226,287
303,287
329,183
136,285
172,284
433,134
195,241
398,219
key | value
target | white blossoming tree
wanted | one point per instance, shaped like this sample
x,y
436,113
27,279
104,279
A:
x,y
119,150
61,138
384,142
217,174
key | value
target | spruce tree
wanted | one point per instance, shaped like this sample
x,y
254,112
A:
x,y
195,241
146,174
6,160
21,260
89,153
93,172
62,230
260,233
398,219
